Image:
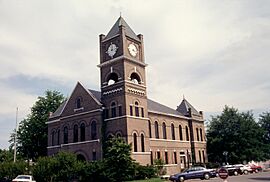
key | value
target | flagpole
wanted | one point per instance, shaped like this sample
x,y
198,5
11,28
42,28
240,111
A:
x,y
15,137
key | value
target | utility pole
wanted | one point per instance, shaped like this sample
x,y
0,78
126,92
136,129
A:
x,y
15,137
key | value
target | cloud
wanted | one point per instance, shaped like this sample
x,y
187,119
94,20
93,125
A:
x,y
213,53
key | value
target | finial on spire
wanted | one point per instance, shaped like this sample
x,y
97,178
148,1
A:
x,y
120,14
183,96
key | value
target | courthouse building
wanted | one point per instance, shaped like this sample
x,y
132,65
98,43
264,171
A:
x,y
122,108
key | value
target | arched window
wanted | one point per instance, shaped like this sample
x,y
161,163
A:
x,y
164,131
197,131
78,102
180,132
93,130
110,136
58,137
135,149
53,134
187,134
200,156
82,127
149,127
201,134
142,143
156,130
120,110
65,135
135,78
118,135
203,156
173,132
112,79
75,133
136,109
113,110
142,111
131,110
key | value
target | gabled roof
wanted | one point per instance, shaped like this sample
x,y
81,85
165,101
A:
x,y
59,110
116,27
155,106
184,107
152,105
92,93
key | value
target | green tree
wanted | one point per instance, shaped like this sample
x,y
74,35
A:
x,y
236,135
10,170
6,155
264,121
118,164
32,132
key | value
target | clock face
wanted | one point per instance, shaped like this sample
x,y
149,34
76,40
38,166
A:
x,y
112,49
132,50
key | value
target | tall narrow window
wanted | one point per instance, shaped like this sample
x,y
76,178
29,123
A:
x,y
187,134
142,111
152,160
164,130
93,130
156,130
142,143
203,156
75,133
135,142
180,132
131,110
106,113
113,110
78,103
120,110
58,137
200,156
175,157
82,127
158,155
201,134
53,134
149,127
166,158
65,135
172,130
197,131
137,109
94,155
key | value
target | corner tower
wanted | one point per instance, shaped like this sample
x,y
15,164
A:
x,y
123,86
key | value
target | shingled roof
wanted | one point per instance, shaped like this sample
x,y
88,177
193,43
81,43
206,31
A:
x,y
116,27
184,107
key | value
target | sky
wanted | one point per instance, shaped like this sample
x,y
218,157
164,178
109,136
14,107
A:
x,y
213,52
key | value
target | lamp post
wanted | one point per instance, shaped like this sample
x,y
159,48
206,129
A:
x,y
15,137
225,153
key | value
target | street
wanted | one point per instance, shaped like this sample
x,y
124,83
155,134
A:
x,y
257,177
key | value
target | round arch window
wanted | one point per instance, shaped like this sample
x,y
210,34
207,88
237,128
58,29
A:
x,y
135,78
112,79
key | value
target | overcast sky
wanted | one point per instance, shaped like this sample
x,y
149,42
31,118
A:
x,y
215,53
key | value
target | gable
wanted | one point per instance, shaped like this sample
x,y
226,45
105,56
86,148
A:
x,y
88,102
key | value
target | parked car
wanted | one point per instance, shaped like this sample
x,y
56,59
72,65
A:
x,y
193,173
244,169
24,178
232,170
255,168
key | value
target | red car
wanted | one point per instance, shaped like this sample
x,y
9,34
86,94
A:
x,y
255,168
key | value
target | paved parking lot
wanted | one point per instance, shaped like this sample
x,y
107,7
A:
x,y
258,177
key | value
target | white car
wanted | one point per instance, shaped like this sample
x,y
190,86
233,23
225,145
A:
x,y
24,178
244,168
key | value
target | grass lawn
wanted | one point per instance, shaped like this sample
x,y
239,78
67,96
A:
x,y
150,180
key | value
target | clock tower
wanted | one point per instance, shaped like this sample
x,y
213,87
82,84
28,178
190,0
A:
x,y
123,87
